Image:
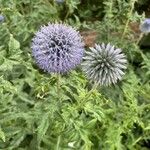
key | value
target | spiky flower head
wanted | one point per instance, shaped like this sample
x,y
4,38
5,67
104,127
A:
x,y
145,26
57,48
104,64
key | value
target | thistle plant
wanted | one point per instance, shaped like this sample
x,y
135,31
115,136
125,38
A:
x,y
57,48
104,64
50,112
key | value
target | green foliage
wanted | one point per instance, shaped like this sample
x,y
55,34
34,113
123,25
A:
x,y
108,118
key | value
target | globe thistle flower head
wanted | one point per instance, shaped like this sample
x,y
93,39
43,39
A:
x,y
2,18
145,26
104,64
57,48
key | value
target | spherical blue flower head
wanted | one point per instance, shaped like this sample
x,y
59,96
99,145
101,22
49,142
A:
x,y
145,26
104,64
57,48
1,18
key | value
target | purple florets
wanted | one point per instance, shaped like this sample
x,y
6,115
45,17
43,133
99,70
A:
x,y
57,48
145,26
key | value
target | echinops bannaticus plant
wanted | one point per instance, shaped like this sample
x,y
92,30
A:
x,y
104,64
57,48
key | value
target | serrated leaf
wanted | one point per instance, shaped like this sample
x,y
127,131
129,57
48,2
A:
x,y
2,135
17,139
91,123
14,45
42,128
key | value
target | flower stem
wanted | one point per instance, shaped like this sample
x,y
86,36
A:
x,y
67,14
128,20
91,91
58,86
88,95
139,39
58,143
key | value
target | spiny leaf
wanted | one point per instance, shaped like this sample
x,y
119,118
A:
x,y
2,135
43,126
13,44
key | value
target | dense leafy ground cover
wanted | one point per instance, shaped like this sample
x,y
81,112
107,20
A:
x,y
109,118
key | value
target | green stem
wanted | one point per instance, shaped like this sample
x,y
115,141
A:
x,y
128,20
111,5
93,89
58,86
82,102
90,92
139,39
67,14
58,143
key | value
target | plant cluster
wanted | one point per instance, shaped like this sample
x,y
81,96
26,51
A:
x,y
46,103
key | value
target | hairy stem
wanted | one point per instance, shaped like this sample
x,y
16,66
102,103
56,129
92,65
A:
x,y
93,89
88,95
58,86
67,14
139,39
128,20
58,143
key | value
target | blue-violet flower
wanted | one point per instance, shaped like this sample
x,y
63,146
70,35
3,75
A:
x,y
57,48
145,26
